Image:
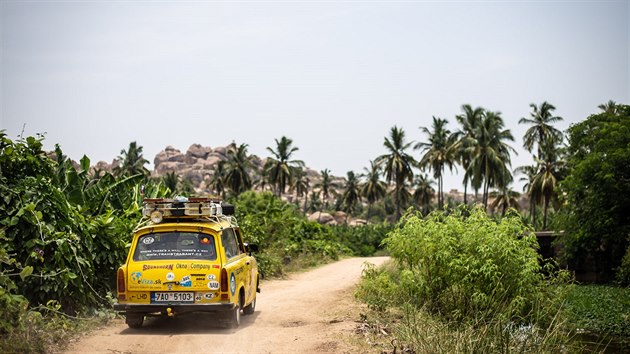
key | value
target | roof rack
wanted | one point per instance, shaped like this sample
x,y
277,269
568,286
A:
x,y
158,209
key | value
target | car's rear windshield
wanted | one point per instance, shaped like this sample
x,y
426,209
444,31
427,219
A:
x,y
175,245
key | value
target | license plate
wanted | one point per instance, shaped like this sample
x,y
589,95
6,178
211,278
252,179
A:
x,y
173,297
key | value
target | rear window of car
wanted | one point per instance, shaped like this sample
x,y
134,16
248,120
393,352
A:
x,y
175,245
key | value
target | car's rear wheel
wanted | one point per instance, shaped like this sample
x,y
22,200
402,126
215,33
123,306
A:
x,y
249,309
134,320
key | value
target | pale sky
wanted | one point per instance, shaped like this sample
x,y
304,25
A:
x,y
334,76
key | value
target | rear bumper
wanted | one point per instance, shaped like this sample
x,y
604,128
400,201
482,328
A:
x,y
175,308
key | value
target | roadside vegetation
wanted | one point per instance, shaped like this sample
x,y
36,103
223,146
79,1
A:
x,y
461,281
467,269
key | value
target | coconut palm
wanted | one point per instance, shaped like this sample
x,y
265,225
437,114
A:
x,y
545,183
279,169
542,132
439,152
528,173
352,193
170,180
610,107
424,192
131,162
373,189
315,203
237,169
505,197
217,183
396,164
469,122
490,153
301,185
327,187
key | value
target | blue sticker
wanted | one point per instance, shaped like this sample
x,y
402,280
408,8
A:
x,y
186,281
135,276
233,284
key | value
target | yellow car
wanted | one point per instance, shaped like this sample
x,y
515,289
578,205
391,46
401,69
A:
x,y
190,257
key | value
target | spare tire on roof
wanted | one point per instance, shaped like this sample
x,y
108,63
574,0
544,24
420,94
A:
x,y
228,209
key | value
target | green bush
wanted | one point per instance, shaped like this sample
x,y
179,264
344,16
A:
x,y
362,240
283,234
467,267
378,287
462,282
623,272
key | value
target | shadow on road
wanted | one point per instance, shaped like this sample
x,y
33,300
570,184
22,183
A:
x,y
193,323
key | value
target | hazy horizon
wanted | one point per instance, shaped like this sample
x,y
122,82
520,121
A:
x,y
333,76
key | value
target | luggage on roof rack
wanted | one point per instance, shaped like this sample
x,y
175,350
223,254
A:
x,y
158,209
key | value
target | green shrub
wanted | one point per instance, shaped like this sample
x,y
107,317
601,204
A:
x,y
378,288
362,240
462,267
462,282
283,234
623,272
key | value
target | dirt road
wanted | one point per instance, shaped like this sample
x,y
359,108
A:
x,y
311,312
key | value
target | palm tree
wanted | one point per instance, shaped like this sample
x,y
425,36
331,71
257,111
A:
x,y
373,189
438,152
469,121
352,193
131,162
237,168
541,132
218,179
397,164
279,168
315,203
505,197
170,180
423,193
610,107
490,153
529,172
327,187
544,184
301,185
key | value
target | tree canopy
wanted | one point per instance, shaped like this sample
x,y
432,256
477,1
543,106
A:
x,y
597,190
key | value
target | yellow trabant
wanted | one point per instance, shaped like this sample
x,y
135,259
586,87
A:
x,y
189,257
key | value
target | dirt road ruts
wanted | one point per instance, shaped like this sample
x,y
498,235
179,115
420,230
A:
x,y
310,312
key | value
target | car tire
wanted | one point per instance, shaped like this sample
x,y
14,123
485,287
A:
x,y
235,316
134,320
249,309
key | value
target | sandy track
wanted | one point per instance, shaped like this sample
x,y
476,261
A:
x,y
309,312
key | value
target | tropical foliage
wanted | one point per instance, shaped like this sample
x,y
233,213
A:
x,y
373,189
459,270
597,190
397,165
64,225
351,196
439,152
327,187
131,162
280,169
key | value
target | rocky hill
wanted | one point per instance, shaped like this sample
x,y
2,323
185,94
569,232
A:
x,y
199,162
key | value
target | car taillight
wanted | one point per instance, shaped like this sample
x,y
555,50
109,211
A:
x,y
121,284
224,280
